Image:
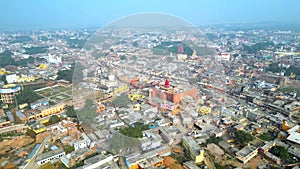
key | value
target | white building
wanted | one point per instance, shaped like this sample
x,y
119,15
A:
x,y
11,78
49,156
85,142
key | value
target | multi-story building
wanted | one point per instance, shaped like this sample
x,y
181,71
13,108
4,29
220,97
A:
x,y
193,148
246,153
8,93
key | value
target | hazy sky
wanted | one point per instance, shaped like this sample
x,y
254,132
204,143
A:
x,y
27,14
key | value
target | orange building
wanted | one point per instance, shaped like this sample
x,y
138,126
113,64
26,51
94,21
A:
x,y
172,96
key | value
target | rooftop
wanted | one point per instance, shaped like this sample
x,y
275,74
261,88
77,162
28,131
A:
x,y
49,154
244,152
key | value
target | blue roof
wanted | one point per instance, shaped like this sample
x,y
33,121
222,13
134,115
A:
x,y
36,147
10,116
20,114
54,148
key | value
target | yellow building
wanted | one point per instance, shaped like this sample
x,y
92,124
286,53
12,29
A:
x,y
52,110
120,89
137,107
43,66
193,148
44,112
38,128
135,96
204,110
25,78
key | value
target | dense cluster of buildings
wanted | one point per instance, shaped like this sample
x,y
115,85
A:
x,y
183,100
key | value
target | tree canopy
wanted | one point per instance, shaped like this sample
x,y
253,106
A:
x,y
135,131
121,101
6,59
54,119
243,137
27,96
70,111
36,50
76,70
280,151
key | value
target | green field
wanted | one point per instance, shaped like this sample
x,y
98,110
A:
x,y
56,93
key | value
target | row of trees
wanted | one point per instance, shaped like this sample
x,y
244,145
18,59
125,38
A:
x,y
36,50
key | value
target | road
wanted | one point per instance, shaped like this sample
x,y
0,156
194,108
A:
x,y
32,164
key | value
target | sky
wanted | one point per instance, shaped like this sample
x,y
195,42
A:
x,y
43,14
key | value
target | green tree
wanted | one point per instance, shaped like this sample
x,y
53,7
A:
x,y
70,111
69,149
243,137
65,74
135,44
27,96
280,151
134,57
123,57
3,79
235,55
266,137
30,133
54,119
121,101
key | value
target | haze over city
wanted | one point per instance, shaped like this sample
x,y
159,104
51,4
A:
x,y
32,14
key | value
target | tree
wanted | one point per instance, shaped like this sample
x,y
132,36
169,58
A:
x,y
70,111
3,79
54,119
134,57
235,55
27,96
65,74
69,149
266,137
123,57
121,101
243,137
280,151
30,133
135,44
136,131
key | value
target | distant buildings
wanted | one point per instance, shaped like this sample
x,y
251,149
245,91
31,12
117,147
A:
x,y
223,56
